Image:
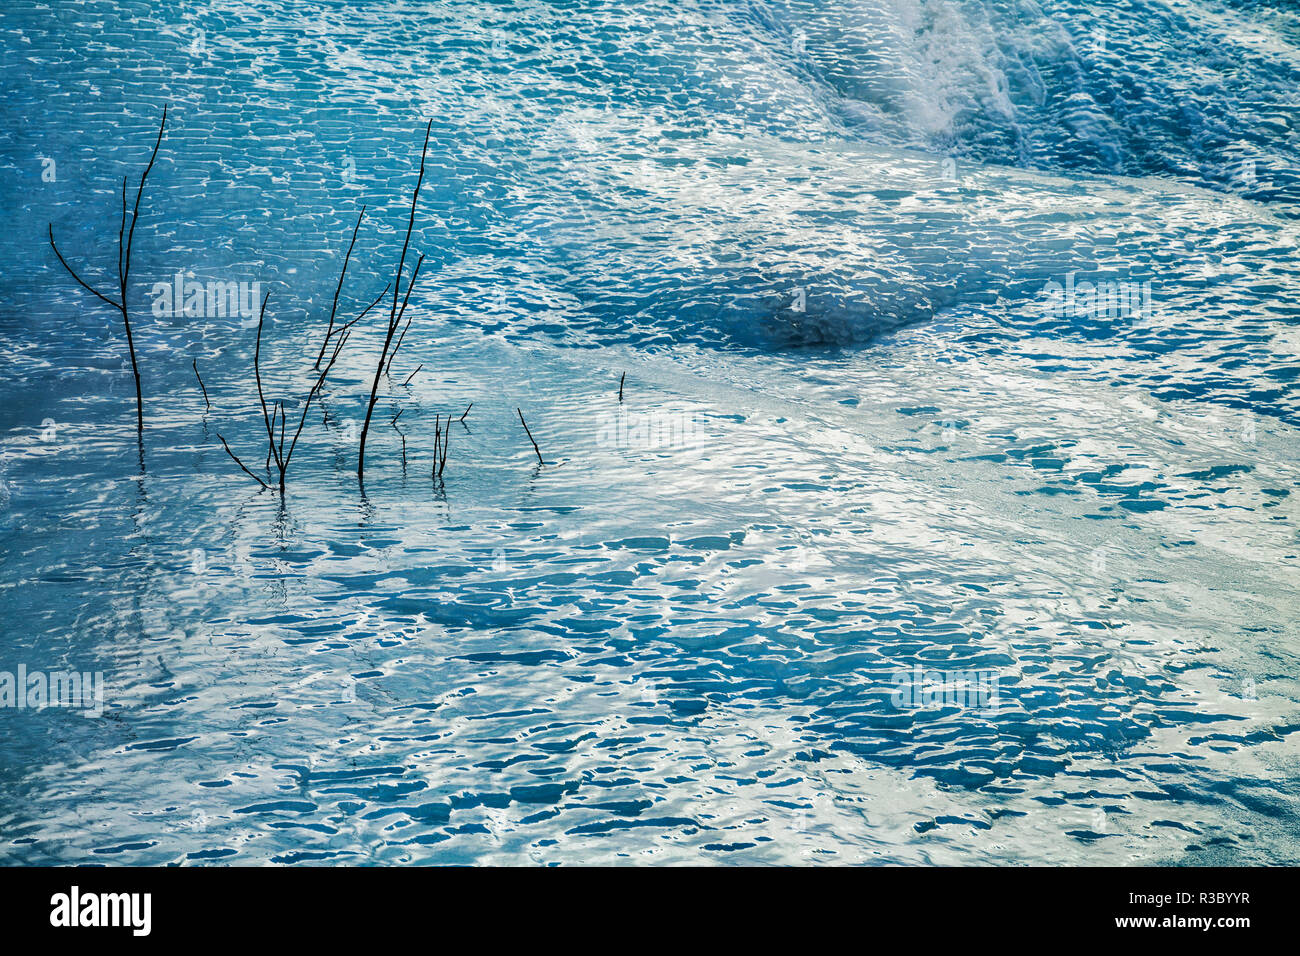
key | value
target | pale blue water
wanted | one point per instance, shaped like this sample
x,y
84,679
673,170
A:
x,y
855,437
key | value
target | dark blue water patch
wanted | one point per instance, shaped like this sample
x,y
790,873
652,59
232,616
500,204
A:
x,y
124,848
308,856
279,806
162,745
216,853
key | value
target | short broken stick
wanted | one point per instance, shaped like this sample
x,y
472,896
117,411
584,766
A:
x,y
530,437
195,363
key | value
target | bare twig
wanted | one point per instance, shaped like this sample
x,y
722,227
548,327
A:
x,y
206,402
125,240
366,310
121,232
135,212
620,388
280,405
446,443
401,338
441,442
240,463
315,391
437,444
257,374
72,272
339,288
393,424
466,411
530,437
394,317
412,375
405,299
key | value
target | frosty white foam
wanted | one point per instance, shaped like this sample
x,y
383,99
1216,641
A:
x,y
74,909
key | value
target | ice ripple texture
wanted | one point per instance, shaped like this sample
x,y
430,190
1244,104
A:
x,y
857,438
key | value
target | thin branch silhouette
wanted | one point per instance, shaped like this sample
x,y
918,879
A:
x,y
394,316
206,401
393,425
240,463
441,440
276,445
125,241
530,437
339,288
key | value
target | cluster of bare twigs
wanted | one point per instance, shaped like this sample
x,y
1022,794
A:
x,y
275,444
332,344
441,439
